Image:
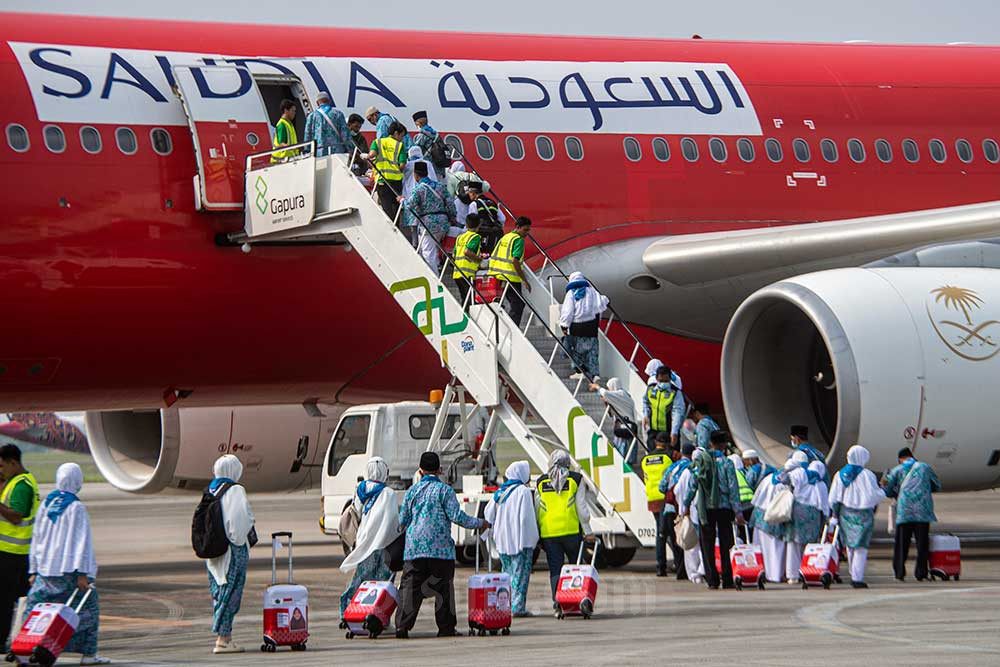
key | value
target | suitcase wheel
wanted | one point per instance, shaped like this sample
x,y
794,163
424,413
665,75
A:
x,y
837,579
11,657
826,579
738,583
42,656
493,633
349,635
472,632
805,585
343,625
956,577
760,582
586,608
505,632
298,647
561,615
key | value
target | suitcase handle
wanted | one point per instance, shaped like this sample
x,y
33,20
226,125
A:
x,y
83,600
593,557
274,556
489,552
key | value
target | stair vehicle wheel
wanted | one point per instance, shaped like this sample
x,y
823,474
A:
x,y
826,580
505,632
760,583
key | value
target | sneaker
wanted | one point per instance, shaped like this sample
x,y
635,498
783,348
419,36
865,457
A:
x,y
402,634
576,376
231,647
858,584
449,633
94,660
661,573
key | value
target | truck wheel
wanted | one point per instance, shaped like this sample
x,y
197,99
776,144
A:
x,y
618,557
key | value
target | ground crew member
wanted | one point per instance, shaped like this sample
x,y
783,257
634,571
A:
x,y
505,265
654,465
389,157
467,256
18,504
746,491
663,405
563,511
284,132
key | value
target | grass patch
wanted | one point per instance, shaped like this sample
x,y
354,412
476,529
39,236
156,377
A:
x,y
43,465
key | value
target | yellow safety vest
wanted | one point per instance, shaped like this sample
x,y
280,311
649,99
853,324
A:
x,y
465,267
502,262
387,152
16,539
653,467
292,137
661,417
746,493
557,511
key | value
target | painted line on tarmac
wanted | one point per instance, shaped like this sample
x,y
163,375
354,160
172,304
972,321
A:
x,y
825,617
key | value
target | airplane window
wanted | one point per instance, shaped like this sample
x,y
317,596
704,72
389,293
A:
x,y
964,150
717,147
574,148
17,138
661,149
55,140
991,150
457,149
689,149
90,139
801,149
910,150
774,152
856,150
633,151
883,150
125,138
938,152
543,146
160,139
745,148
828,147
484,147
515,148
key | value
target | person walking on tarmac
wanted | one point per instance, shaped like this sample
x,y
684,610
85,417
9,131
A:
x,y
562,506
506,265
466,257
663,404
18,506
284,132
389,157
654,465
746,491
912,482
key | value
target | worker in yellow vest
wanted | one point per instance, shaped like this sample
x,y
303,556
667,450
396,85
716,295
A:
x,y
654,465
466,256
663,408
746,491
284,132
388,154
506,265
18,505
562,505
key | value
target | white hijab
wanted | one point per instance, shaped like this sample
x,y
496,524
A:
x,y
737,461
766,490
559,462
817,494
380,525
515,527
413,156
653,366
618,398
237,515
65,545
864,492
584,309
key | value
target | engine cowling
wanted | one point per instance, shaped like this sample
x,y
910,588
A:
x,y
884,357
150,450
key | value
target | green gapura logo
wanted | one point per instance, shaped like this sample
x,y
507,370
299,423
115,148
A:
x,y
261,187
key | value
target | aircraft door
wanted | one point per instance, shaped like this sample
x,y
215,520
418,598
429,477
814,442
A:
x,y
228,122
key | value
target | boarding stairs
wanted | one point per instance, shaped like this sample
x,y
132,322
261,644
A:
x,y
521,374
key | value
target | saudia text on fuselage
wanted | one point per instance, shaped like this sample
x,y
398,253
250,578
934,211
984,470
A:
x,y
85,84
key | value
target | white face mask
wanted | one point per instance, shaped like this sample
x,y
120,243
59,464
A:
x,y
793,443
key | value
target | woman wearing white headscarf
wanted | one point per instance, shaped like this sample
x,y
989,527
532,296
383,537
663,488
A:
x,y
227,574
579,318
806,525
457,173
376,504
679,480
622,408
770,536
511,513
62,559
853,498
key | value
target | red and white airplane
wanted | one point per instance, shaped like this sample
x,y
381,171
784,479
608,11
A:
x,y
680,176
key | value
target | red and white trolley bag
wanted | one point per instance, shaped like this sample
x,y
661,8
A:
x,y
488,289
577,588
945,557
286,606
49,628
718,550
489,599
748,563
821,561
371,608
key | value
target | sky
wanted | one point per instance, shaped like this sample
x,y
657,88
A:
x,y
897,21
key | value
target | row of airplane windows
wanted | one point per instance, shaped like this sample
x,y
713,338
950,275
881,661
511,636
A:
x,y
90,139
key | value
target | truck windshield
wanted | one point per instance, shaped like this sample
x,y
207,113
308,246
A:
x,y
351,438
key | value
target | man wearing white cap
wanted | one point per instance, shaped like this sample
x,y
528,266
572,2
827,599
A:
x,y
382,122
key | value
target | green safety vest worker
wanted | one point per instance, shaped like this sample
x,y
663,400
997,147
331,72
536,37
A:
x,y
387,152
653,467
746,493
661,402
467,241
557,515
502,259
284,132
16,539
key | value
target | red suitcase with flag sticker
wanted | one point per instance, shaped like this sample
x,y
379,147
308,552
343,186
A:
x,y
945,557
577,587
821,561
748,563
286,606
488,289
489,599
371,609
46,632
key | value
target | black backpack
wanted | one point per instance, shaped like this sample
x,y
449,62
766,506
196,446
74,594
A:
x,y
437,153
208,532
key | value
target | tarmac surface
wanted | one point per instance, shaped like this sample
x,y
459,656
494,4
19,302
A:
x,y
156,609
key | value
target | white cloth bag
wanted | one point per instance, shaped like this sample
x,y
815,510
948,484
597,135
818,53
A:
x,y
687,536
780,509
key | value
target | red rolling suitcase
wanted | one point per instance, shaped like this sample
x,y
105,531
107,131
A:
x,y
489,600
371,608
46,632
748,564
820,561
488,289
286,606
577,587
945,557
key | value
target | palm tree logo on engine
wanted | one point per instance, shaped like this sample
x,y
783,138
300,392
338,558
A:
x,y
969,339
